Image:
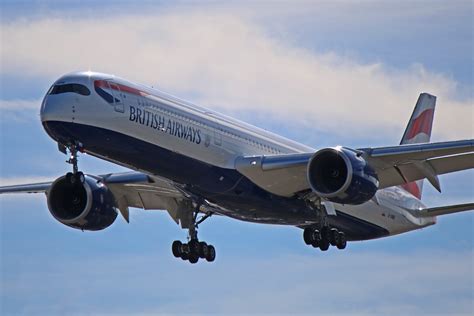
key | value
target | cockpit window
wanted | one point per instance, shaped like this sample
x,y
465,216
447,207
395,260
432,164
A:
x,y
70,87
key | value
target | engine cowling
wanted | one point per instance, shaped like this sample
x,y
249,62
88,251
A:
x,y
341,176
86,206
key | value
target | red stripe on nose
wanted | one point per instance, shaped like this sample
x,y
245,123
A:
x,y
119,87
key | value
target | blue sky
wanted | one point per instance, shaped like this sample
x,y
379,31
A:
x,y
323,73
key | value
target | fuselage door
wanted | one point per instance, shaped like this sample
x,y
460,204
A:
x,y
118,97
217,137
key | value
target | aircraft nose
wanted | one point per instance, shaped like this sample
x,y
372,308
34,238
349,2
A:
x,y
51,109
43,107
59,103
57,108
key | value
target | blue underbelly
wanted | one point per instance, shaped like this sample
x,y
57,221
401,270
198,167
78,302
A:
x,y
235,194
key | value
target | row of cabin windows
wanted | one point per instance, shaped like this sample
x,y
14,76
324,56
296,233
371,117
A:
x,y
225,132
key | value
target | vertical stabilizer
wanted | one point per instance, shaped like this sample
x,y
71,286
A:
x,y
419,131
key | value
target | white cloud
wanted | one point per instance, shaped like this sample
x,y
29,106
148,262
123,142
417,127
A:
x,y
229,62
19,110
19,104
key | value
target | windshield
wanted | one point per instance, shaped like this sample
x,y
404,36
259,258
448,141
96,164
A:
x,y
70,87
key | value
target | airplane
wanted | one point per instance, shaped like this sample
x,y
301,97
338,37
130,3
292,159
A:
x,y
195,163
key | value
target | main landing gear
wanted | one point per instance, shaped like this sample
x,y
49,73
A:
x,y
325,237
75,176
194,249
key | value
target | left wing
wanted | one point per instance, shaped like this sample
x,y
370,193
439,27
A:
x,y
132,189
26,188
286,175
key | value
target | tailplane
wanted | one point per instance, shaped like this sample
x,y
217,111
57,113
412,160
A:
x,y
443,210
419,131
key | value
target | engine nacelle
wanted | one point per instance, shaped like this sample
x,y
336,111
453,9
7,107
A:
x,y
341,176
87,206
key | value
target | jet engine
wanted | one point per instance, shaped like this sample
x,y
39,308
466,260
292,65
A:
x,y
340,175
85,205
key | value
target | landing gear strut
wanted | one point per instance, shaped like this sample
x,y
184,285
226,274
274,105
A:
x,y
194,249
324,238
75,176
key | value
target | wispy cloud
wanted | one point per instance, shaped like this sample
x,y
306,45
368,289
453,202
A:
x,y
230,62
19,105
19,110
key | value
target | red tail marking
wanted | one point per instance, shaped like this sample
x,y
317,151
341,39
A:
x,y
412,188
422,124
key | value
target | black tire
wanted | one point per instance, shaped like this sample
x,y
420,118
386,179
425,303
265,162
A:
x,y
176,248
342,241
69,177
185,251
316,237
203,250
334,237
193,258
308,235
211,256
324,245
194,247
325,233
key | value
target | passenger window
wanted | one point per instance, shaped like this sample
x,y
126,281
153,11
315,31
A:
x,y
70,87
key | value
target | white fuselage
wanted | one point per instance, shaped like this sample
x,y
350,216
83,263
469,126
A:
x,y
203,135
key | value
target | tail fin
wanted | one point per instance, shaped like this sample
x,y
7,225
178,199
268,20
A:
x,y
419,131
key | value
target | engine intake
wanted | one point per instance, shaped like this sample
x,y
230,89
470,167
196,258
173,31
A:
x,y
341,176
87,206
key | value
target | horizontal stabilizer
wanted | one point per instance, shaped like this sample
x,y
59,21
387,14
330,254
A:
x,y
443,210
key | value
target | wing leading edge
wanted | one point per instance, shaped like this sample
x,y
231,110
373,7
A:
x,y
132,189
285,175
26,188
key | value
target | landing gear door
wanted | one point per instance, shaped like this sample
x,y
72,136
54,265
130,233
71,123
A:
x,y
118,97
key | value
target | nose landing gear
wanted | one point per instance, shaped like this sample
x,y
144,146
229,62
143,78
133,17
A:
x,y
75,176
324,238
194,249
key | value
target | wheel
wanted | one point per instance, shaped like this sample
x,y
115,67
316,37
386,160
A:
x,y
324,244
308,235
334,236
316,238
342,241
185,251
193,258
203,250
325,233
176,248
211,256
194,247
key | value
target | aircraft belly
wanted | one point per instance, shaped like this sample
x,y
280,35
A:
x,y
235,195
